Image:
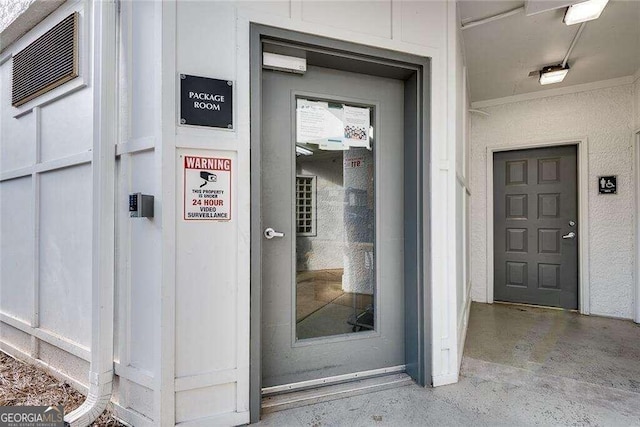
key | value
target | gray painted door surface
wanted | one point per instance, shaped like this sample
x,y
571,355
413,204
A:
x,y
304,336
535,205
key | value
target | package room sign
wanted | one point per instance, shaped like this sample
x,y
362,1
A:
x,y
207,188
206,102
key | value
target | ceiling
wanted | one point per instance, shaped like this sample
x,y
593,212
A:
x,y
500,54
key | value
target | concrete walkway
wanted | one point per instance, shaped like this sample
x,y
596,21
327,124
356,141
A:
x,y
521,366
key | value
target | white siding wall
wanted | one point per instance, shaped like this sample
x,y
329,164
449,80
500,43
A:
x,y
46,214
604,116
139,240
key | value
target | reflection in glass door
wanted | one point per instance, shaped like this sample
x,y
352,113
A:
x,y
335,221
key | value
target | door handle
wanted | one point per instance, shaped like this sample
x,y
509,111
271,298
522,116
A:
x,y
270,233
570,235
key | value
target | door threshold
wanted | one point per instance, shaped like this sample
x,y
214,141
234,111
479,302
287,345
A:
x,y
326,393
320,382
522,304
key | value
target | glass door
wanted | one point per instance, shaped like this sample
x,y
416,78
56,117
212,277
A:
x,y
334,219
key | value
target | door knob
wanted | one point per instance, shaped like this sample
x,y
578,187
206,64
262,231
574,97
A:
x,y
570,235
270,233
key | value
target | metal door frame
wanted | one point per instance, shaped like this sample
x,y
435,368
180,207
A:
x,y
417,146
583,213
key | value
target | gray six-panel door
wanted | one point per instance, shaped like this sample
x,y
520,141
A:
x,y
535,227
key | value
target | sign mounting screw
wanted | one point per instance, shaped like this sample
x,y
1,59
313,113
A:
x,y
182,76
230,83
183,121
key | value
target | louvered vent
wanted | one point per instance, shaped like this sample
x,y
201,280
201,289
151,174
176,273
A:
x,y
48,62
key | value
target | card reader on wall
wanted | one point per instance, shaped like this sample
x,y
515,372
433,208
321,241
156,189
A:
x,y
140,205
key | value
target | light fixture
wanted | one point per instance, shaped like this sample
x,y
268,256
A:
x,y
301,151
585,11
553,74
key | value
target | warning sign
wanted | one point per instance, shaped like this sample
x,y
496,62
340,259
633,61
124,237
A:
x,y
207,188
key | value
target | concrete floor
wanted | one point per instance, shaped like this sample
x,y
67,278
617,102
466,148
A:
x,y
521,366
322,307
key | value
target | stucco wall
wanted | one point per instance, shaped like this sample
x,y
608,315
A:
x,y
324,250
11,9
605,117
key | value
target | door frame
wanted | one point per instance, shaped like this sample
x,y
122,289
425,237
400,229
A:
x,y
583,212
417,218
636,176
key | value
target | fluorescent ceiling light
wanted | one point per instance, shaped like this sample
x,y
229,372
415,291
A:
x,y
585,11
553,74
301,151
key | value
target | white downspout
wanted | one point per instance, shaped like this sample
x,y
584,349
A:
x,y
103,246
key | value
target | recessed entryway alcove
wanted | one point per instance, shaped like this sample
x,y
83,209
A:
x,y
339,226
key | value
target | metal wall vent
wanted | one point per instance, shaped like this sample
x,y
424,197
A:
x,y
48,62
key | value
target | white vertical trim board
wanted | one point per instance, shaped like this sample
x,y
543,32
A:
x,y
636,177
396,20
35,188
444,310
164,387
583,213
243,207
